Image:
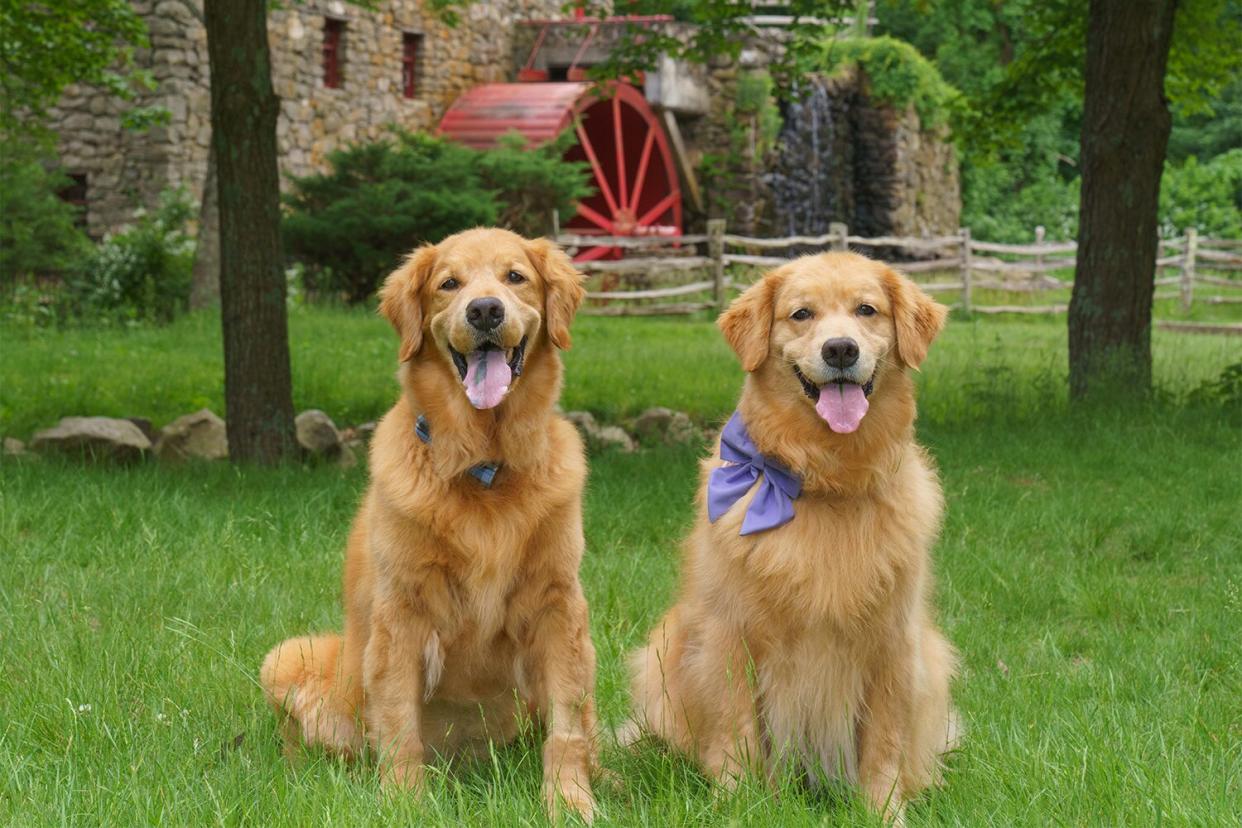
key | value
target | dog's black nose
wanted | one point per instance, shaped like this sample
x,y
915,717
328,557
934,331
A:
x,y
841,352
486,313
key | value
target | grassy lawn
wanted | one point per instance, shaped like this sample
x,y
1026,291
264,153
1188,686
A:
x,y
1090,571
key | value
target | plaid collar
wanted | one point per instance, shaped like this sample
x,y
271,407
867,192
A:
x,y
485,473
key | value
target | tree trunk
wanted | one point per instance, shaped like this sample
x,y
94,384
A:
x,y
205,279
258,394
1125,133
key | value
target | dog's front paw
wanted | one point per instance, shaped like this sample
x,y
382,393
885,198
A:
x,y
402,776
572,798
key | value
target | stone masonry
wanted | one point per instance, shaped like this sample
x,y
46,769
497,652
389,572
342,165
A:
x,y
125,169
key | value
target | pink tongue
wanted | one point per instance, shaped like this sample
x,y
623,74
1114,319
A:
x,y
842,406
487,378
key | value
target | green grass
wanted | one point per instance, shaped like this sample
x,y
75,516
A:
x,y
1090,571
343,363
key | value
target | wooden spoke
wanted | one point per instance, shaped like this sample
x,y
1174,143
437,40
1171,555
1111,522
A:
x,y
598,169
640,177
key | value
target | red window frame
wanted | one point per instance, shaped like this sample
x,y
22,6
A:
x,y
411,45
333,34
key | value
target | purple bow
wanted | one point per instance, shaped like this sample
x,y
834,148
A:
x,y
772,506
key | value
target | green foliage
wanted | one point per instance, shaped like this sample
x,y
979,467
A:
x,y
1205,196
898,74
530,182
1208,134
350,226
44,47
141,274
756,103
37,231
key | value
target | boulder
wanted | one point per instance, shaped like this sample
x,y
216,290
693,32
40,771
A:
x,y
144,425
102,438
201,435
14,447
666,425
318,435
614,437
598,436
681,429
653,422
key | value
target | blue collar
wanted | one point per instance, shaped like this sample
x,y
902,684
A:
x,y
485,473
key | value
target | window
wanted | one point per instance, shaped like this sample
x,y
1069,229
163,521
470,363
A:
x,y
333,42
411,46
75,194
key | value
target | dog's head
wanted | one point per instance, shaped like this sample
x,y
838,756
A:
x,y
483,301
831,328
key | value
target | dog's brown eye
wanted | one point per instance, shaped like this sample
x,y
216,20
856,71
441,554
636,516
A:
x,y
450,284
866,310
800,314
516,278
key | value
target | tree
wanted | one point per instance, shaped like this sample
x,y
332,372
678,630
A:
x,y
1125,135
258,385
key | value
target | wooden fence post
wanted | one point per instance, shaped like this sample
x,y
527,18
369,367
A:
x,y
966,274
1040,233
842,233
715,251
1188,267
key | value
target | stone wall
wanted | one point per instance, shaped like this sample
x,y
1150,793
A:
x,y
126,170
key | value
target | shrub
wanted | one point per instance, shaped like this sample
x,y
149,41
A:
x,y
141,274
1206,196
898,74
37,232
351,225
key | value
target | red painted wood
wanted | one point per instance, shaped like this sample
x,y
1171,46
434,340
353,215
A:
x,y
613,126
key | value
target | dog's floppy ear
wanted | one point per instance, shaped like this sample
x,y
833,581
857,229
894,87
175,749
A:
x,y
563,288
399,300
917,316
747,323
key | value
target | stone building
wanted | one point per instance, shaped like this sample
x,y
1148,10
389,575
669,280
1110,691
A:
x,y
343,73
771,164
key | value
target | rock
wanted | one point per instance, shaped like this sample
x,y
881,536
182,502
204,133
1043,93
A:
x,y
681,429
202,435
103,438
144,425
14,447
653,422
317,434
615,437
666,425
598,436
584,421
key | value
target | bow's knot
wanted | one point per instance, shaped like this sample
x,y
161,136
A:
x,y
745,465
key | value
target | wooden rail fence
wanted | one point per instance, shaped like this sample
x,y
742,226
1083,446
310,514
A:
x,y
661,275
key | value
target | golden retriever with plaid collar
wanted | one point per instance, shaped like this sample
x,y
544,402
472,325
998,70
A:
x,y
803,640
463,608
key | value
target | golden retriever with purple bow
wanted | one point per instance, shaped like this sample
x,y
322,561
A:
x,y
803,640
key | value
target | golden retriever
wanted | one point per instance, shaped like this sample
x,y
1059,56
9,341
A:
x,y
808,647
463,608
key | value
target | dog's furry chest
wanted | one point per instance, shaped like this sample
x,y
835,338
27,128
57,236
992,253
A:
x,y
809,697
841,560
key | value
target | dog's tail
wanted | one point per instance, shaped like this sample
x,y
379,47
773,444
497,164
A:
x,y
304,680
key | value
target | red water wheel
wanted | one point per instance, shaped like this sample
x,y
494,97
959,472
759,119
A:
x,y
619,137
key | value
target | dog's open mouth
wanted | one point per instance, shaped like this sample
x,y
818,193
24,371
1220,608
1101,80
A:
x,y
488,372
841,404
